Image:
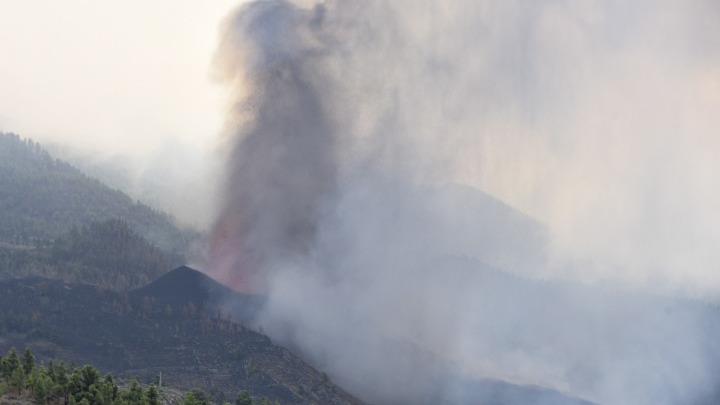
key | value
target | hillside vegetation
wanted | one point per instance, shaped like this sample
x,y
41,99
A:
x,y
73,253
42,198
59,223
23,381
203,341
108,254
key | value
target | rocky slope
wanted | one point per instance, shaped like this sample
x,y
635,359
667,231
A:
x,y
174,327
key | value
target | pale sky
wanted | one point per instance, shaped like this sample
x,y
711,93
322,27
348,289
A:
x,y
124,76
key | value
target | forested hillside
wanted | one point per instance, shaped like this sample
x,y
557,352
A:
x,y
107,254
41,198
57,222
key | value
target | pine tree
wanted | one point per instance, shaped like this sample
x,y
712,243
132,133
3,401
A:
x,y
110,383
152,395
17,379
104,392
243,398
50,370
32,378
60,374
28,361
10,364
40,391
136,394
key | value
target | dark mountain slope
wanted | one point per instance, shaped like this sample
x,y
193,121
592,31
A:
x,y
180,326
153,330
186,285
182,285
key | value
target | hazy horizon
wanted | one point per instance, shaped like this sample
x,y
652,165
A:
x,y
122,84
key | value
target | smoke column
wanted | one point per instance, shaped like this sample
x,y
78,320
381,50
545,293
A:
x,y
283,167
432,192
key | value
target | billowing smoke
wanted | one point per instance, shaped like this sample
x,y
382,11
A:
x,y
435,193
284,165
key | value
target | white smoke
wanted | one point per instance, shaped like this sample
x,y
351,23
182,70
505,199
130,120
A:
x,y
363,132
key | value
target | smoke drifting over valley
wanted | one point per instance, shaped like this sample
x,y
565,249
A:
x,y
432,193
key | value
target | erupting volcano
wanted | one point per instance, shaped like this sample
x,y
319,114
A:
x,y
435,194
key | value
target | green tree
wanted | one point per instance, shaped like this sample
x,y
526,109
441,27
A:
x,y
32,378
40,390
189,399
81,381
136,395
17,379
200,397
60,374
50,369
152,395
28,361
110,385
243,398
103,392
10,364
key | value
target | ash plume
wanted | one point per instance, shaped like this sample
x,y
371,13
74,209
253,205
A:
x,y
282,166
435,194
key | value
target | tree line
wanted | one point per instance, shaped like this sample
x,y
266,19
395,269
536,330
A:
x,y
42,197
56,383
107,253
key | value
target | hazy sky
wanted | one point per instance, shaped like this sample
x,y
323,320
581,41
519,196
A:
x,y
597,118
123,75
124,87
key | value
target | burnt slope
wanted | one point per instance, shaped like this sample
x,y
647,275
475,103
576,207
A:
x,y
143,335
185,285
177,325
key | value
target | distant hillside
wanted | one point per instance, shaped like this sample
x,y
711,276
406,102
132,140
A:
x,y
107,254
42,198
194,343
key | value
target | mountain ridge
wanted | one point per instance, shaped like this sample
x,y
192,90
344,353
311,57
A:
x,y
42,197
